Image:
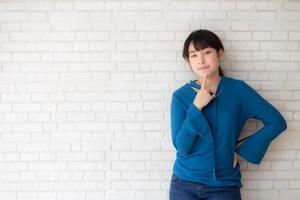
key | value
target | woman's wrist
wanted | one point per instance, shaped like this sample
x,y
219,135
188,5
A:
x,y
198,106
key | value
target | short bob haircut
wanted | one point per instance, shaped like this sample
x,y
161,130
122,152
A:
x,y
202,39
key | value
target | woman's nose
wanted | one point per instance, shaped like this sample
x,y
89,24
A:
x,y
202,59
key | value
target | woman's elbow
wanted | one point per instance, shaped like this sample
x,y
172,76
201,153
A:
x,y
182,153
282,125
279,123
279,126
183,150
276,128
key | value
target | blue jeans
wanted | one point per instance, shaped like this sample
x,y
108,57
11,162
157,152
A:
x,y
186,190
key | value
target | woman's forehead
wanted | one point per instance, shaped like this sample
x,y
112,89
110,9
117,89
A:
x,y
192,48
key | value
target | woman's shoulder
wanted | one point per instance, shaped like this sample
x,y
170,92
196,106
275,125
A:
x,y
181,90
235,82
242,85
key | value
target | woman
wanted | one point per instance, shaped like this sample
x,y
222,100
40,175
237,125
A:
x,y
207,117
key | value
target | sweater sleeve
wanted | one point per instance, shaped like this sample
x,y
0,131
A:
x,y
186,125
256,107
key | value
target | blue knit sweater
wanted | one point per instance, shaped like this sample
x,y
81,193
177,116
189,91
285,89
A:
x,y
205,140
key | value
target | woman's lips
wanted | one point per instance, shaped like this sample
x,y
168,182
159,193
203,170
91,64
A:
x,y
201,68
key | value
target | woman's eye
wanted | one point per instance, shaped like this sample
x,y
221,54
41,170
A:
x,y
193,55
208,52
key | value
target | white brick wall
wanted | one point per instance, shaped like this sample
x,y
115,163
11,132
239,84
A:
x,y
85,91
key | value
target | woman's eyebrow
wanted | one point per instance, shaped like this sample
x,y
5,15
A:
x,y
200,50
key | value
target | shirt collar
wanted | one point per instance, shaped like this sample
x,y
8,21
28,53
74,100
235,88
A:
x,y
193,83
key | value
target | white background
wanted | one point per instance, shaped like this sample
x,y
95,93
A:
x,y
85,91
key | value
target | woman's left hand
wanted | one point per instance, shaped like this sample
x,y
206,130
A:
x,y
236,159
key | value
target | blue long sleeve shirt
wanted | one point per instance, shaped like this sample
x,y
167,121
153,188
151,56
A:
x,y
206,140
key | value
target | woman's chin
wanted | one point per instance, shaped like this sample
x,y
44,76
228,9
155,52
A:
x,y
203,74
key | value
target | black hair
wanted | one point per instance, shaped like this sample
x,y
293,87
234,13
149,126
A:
x,y
202,39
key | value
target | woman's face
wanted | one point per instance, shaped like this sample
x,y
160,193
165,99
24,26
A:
x,y
206,61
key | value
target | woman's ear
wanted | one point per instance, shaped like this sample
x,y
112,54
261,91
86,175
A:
x,y
221,54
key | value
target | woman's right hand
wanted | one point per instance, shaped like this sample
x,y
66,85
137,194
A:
x,y
203,96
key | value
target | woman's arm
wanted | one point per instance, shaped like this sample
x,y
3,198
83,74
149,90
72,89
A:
x,y
256,107
186,125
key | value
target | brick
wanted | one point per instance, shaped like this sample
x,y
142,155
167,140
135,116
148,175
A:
x,y
242,15
88,5
204,5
